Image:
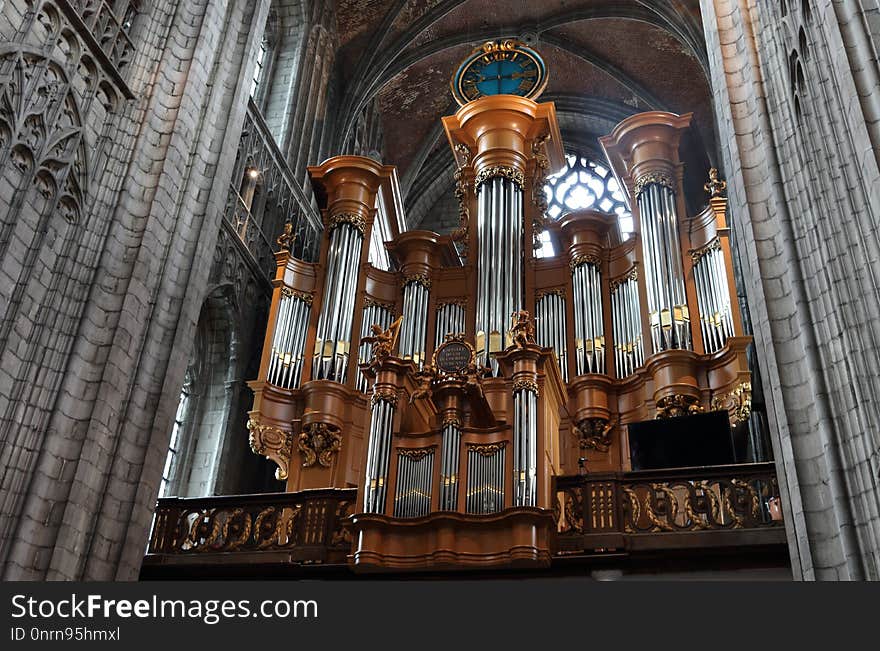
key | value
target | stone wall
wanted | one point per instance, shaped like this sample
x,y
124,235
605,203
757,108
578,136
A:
x,y
796,97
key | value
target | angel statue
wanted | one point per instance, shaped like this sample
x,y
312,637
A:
x,y
384,340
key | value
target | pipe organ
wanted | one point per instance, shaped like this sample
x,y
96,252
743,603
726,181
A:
x,y
481,371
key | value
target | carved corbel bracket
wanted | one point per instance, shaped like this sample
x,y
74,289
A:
x,y
273,443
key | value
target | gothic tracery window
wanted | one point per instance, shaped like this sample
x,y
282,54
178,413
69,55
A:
x,y
584,183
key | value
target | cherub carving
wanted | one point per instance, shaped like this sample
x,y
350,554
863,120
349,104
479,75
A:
x,y
522,330
384,340
473,377
425,378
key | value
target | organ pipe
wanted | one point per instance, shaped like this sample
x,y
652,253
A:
x,y
713,295
485,479
373,314
378,455
289,339
449,321
413,331
449,462
664,274
525,443
550,327
499,266
415,473
629,352
333,342
589,325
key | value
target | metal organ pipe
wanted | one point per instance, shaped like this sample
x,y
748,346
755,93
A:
x,y
415,315
550,327
525,446
288,342
589,329
664,271
373,314
485,483
415,470
449,467
378,456
499,284
333,339
713,294
627,323
450,321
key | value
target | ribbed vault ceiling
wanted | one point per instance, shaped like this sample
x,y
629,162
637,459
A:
x,y
606,59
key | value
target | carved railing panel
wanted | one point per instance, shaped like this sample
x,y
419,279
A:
x,y
310,525
678,500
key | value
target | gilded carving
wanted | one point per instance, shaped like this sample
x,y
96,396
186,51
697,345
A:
x,y
698,253
460,234
487,449
348,218
319,442
386,393
287,237
421,279
504,171
272,443
416,454
715,187
678,405
522,330
656,177
594,434
525,385
737,403
632,274
371,302
383,340
584,258
305,297
550,292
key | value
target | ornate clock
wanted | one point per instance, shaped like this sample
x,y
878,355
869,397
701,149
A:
x,y
500,68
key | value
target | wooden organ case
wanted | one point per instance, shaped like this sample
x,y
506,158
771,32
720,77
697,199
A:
x,y
454,386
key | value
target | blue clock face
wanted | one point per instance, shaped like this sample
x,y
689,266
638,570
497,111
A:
x,y
506,68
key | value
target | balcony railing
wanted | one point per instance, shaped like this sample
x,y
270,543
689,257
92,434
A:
x,y
308,526
721,507
685,507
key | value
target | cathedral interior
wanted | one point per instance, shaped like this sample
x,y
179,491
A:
x,y
419,288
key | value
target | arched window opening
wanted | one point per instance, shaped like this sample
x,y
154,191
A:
x,y
198,434
783,8
173,456
584,183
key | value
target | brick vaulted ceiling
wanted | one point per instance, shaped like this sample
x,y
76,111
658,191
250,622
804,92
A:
x,y
606,59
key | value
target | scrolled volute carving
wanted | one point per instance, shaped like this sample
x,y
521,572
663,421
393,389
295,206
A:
x,y
273,443
318,443
737,403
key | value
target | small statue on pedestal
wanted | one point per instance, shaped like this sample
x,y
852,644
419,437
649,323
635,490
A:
x,y
384,340
522,331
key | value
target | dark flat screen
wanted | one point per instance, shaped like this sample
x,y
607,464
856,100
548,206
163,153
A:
x,y
698,440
